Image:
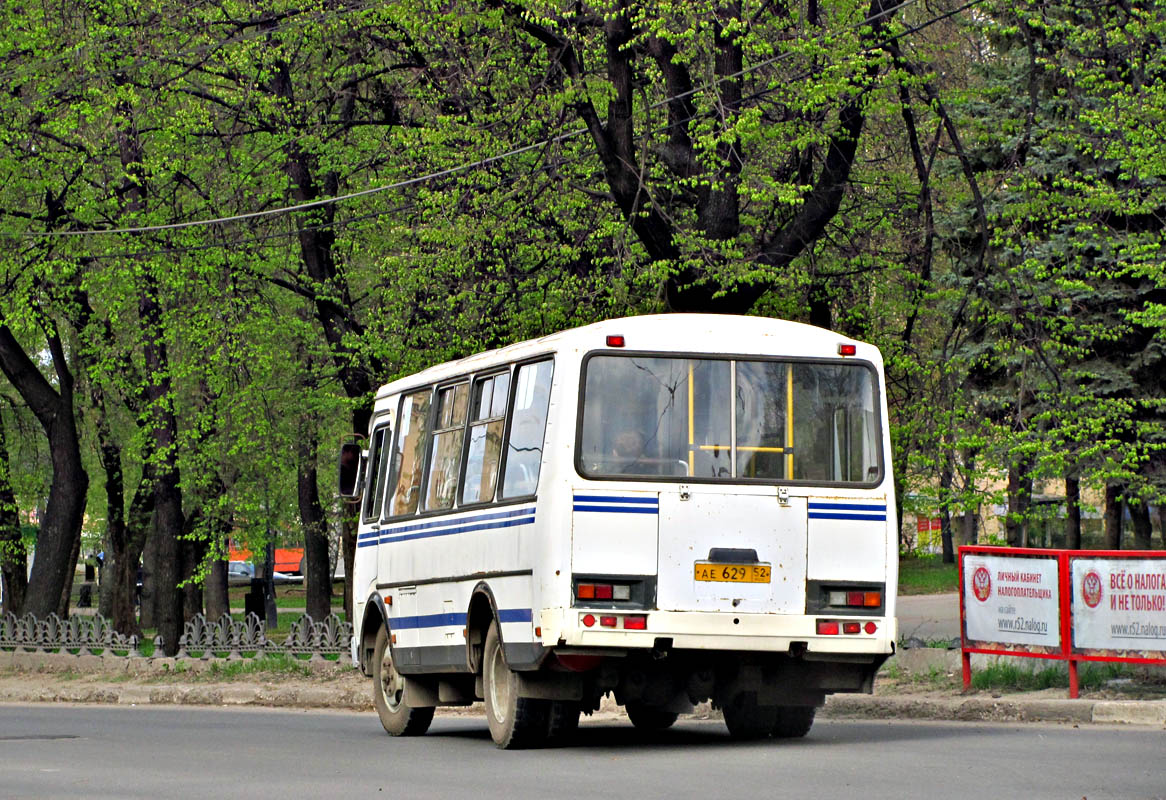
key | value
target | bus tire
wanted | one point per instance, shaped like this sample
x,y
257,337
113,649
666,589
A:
x,y
562,720
515,722
388,690
649,718
793,722
747,720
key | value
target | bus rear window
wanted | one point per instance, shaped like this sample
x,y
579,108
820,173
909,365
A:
x,y
731,420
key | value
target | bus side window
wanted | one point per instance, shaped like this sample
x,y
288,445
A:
x,y
528,423
446,452
488,416
378,462
409,453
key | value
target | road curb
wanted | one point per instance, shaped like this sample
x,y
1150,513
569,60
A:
x,y
977,709
997,709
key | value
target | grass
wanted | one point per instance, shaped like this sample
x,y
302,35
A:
x,y
927,575
286,596
1010,677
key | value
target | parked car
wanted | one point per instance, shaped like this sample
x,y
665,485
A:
x,y
240,573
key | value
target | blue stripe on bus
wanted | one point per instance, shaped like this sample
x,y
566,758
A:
x,y
451,620
598,498
616,509
865,512
446,526
848,507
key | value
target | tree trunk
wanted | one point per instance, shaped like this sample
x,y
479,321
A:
x,y
218,600
946,478
1113,512
1072,512
1162,523
971,521
61,526
123,560
1019,499
194,549
13,558
972,525
348,553
1143,528
148,599
317,580
70,575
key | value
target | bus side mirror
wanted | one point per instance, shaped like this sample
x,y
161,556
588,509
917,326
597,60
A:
x,y
350,468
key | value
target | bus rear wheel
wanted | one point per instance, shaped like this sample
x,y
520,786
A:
x,y
793,722
388,691
745,719
515,722
649,718
562,720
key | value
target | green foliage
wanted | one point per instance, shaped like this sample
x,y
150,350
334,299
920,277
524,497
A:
x,y
924,574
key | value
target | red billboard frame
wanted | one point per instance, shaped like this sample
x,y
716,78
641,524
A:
x,y
1068,652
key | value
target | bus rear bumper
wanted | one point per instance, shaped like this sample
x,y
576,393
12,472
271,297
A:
x,y
689,630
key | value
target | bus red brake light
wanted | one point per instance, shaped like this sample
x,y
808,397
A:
x,y
851,627
607,622
615,341
603,591
635,623
827,627
847,349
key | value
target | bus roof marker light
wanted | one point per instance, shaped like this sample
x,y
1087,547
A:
x,y
847,349
615,340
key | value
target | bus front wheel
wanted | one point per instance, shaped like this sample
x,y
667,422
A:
x,y
514,721
388,690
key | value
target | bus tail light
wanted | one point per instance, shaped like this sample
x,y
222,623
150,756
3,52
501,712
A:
x,y
827,627
607,590
635,623
870,627
615,341
851,627
607,622
855,598
847,349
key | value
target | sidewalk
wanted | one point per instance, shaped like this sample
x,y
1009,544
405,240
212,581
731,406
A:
x,y
31,677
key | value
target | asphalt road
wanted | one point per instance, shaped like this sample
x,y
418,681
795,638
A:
x,y
929,616
111,751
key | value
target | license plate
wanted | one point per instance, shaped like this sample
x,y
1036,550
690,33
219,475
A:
x,y
732,573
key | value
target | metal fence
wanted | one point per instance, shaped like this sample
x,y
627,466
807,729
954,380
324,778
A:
x,y
225,638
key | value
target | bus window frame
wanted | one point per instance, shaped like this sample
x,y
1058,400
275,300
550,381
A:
x,y
876,397
434,432
515,367
371,470
491,374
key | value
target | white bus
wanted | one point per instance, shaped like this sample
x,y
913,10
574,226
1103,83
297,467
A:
x,y
671,509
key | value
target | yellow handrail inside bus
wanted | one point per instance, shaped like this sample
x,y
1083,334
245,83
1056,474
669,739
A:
x,y
789,421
